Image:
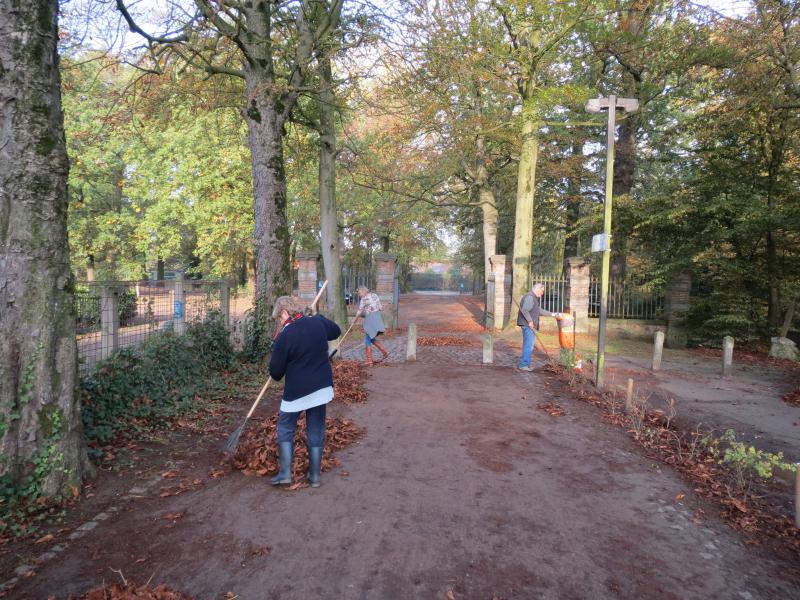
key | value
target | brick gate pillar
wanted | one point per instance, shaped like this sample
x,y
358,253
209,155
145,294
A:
x,y
385,267
579,273
307,265
501,269
676,305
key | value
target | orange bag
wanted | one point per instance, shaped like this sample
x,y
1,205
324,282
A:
x,y
565,336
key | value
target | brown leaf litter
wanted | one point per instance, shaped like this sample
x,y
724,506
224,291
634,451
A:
x,y
257,453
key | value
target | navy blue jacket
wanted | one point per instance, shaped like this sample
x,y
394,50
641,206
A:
x,y
301,354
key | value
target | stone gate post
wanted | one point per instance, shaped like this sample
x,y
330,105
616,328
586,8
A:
x,y
579,281
307,276
385,268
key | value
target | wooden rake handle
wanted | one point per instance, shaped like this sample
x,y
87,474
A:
x,y
260,395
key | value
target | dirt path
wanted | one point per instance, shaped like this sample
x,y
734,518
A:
x,y
462,488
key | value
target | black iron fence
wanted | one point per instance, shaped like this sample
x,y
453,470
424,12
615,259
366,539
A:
x,y
626,301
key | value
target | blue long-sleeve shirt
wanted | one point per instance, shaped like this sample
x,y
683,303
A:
x,y
300,353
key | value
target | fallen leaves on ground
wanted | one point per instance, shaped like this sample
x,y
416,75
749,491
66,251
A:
x,y
173,516
130,591
257,453
750,357
792,398
751,513
183,486
348,381
552,409
445,341
45,539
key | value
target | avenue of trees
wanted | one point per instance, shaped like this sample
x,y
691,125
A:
x,y
223,135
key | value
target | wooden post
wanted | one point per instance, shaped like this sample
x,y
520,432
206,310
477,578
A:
x,y
488,348
658,350
225,302
727,355
179,306
411,350
629,397
797,497
109,321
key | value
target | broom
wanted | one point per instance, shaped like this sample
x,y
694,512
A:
x,y
233,439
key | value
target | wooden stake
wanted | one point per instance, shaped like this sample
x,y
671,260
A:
x,y
629,397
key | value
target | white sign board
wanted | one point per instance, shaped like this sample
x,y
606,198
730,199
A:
x,y
600,242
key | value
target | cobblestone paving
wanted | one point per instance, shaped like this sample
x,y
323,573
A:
x,y
504,354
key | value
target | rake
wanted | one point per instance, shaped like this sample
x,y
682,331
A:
x,y
233,439
537,339
342,339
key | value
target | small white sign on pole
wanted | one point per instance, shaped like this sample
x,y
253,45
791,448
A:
x,y
600,242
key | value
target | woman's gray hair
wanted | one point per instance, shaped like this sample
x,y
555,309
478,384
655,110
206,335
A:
x,y
291,304
537,286
362,290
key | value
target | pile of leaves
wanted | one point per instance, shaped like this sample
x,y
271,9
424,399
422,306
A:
x,y
348,381
131,591
792,398
445,341
751,357
757,511
257,453
552,409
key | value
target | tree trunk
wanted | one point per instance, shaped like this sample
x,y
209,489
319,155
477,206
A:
x,y
329,224
40,422
523,227
624,172
271,235
90,268
160,269
572,245
490,216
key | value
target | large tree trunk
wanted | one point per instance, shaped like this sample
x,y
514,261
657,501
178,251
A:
x,y
329,223
490,216
624,172
39,406
523,227
271,235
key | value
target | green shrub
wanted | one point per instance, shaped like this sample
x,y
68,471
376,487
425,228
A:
x,y
157,379
713,317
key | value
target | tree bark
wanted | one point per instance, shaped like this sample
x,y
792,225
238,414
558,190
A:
x,y
523,227
90,268
39,405
329,223
271,233
490,217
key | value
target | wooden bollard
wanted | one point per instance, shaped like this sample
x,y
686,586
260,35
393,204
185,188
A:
x,y
629,397
411,349
727,355
488,348
797,497
658,350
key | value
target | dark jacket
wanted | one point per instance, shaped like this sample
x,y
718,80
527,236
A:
x,y
530,310
301,354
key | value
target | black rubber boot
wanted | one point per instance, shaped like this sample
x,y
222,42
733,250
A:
x,y
314,465
284,476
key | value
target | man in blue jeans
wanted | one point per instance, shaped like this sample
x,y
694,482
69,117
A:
x,y
528,319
